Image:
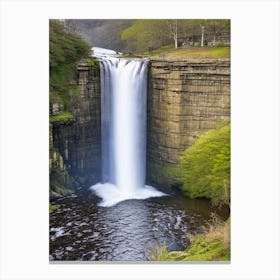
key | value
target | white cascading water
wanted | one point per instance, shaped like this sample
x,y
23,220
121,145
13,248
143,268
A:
x,y
123,125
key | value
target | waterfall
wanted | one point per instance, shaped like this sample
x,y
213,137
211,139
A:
x,y
123,126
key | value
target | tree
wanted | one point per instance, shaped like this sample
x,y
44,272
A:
x,y
145,34
205,166
173,27
202,26
202,23
207,27
65,50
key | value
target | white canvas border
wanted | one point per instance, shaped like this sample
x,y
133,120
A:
x,y
24,138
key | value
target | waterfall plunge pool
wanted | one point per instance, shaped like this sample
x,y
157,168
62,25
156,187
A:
x,y
80,230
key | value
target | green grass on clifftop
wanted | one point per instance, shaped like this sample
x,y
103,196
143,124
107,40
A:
x,y
197,52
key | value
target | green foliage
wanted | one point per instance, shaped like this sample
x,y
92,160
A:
x,y
205,166
131,55
159,254
65,49
62,117
201,250
221,52
160,50
91,62
214,245
145,34
197,52
53,207
202,52
149,33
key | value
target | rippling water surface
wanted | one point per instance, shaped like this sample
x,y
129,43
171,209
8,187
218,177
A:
x,y
81,230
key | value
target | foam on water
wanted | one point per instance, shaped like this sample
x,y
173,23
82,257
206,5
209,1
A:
x,y
111,194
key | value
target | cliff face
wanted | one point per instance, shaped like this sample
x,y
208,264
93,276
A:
x,y
79,142
186,98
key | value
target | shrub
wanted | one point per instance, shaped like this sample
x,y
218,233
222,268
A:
x,y
205,166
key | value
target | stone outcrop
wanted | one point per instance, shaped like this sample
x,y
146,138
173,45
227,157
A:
x,y
186,98
61,183
79,141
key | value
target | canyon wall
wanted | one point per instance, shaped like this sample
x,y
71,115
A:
x,y
186,98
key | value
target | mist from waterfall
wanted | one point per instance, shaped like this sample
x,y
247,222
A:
x,y
123,126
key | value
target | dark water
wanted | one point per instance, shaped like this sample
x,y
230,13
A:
x,y
81,230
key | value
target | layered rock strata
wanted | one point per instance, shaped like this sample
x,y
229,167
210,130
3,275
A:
x,y
186,98
79,141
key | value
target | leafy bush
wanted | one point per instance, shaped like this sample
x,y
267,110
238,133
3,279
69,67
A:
x,y
205,166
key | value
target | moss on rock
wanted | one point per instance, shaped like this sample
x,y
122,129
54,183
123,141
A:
x,y
62,117
214,245
53,207
61,182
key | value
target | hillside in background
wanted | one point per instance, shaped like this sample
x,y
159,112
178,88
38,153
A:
x,y
140,35
101,33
